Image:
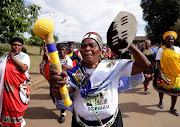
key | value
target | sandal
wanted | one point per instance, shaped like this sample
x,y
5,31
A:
x,y
161,106
145,92
23,123
174,112
61,119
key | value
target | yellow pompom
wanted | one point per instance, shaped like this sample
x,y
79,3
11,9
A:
x,y
170,33
43,27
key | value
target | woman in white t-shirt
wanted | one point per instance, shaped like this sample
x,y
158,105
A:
x,y
66,64
65,60
94,83
14,77
167,79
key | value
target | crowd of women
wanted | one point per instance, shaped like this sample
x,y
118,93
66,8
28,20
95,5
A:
x,y
164,69
93,82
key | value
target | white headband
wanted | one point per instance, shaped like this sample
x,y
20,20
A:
x,y
96,38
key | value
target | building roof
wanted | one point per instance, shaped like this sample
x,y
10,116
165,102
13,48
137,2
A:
x,y
140,38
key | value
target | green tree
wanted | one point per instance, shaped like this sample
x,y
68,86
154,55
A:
x,y
160,16
177,29
56,38
35,41
16,18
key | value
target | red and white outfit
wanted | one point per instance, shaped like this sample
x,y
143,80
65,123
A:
x,y
44,66
16,91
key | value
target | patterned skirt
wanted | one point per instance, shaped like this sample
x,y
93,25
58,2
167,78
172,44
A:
x,y
168,84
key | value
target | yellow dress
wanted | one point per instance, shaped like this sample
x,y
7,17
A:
x,y
170,68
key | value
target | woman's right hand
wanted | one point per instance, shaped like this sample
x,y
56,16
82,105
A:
x,y
12,54
56,78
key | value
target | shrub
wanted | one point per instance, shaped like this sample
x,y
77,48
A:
x,y
7,48
24,50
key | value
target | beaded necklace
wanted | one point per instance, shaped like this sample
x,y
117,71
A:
x,y
95,110
170,48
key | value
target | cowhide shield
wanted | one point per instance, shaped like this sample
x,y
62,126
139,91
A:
x,y
122,32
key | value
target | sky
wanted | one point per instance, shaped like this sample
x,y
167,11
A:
x,y
74,18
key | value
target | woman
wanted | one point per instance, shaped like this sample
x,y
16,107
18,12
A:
x,y
74,57
168,76
15,79
45,64
66,64
150,53
94,83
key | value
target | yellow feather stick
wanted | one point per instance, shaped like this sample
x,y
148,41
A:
x,y
45,27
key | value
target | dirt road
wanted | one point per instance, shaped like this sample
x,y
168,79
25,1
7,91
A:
x,y
138,110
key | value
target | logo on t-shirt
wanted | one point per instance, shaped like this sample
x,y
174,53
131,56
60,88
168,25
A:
x,y
101,101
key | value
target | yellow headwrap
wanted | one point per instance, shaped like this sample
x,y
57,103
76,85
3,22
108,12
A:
x,y
148,41
170,33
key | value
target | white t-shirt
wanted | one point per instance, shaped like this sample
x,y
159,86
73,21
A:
x,y
159,53
66,61
108,101
25,59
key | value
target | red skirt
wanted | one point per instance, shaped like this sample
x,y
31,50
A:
x,y
15,96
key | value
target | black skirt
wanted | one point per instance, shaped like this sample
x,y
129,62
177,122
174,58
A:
x,y
117,123
151,69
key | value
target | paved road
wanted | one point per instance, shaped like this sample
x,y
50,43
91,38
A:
x,y
138,110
